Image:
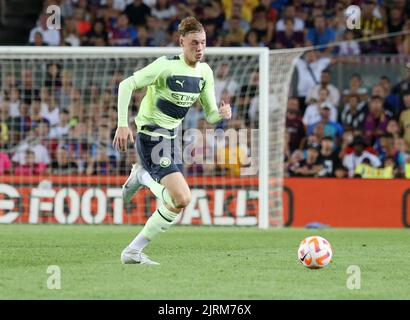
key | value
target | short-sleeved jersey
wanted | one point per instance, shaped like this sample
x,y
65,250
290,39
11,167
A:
x,y
172,87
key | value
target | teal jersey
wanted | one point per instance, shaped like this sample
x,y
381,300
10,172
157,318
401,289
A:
x,y
172,87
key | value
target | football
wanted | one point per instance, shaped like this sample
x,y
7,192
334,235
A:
x,y
315,252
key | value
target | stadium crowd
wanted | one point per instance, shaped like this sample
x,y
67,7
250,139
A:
x,y
359,131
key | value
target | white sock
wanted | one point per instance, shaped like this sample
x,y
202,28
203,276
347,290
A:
x,y
139,242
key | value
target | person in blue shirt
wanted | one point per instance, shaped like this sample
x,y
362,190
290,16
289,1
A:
x,y
321,35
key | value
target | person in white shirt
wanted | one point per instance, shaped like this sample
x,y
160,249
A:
x,y
312,113
51,37
290,12
309,69
358,156
224,82
334,93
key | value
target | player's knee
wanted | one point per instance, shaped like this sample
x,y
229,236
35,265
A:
x,y
182,199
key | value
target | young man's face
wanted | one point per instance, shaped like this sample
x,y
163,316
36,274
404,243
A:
x,y
193,45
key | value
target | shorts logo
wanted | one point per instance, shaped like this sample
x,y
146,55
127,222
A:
x,y
164,162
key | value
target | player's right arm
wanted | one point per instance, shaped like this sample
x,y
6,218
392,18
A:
x,y
140,79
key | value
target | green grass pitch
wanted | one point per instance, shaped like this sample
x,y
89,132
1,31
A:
x,y
200,263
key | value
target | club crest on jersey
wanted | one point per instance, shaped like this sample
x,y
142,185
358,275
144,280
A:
x,y
164,162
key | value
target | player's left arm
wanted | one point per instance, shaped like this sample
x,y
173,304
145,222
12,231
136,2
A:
x,y
208,100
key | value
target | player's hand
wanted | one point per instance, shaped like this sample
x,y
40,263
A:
x,y
225,110
120,141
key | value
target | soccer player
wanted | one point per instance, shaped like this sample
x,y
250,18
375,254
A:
x,y
174,84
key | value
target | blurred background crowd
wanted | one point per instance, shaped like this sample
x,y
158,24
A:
x,y
355,128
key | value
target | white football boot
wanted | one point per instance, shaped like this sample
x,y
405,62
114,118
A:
x,y
132,256
133,183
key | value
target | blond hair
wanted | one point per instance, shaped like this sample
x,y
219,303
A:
x,y
189,24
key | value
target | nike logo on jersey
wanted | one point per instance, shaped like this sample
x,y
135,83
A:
x,y
181,83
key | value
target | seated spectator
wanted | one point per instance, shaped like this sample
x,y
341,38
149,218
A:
x,y
63,165
402,86
393,128
97,36
213,38
354,113
404,120
289,38
290,13
122,34
50,36
376,120
29,166
142,39
245,8
331,129
341,172
321,35
328,157
251,39
213,14
358,156
262,25
35,112
235,35
20,126
61,129
104,158
224,81
395,19
385,148
355,87
392,110
391,101
83,25
38,40
69,33
312,113
334,93
164,10
14,103
137,12
294,125
371,24
5,162
51,111
38,142
309,167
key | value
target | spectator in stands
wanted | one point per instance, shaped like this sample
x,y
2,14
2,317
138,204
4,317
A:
x,y
376,120
69,33
334,93
53,77
391,101
28,89
97,36
405,119
20,126
313,114
328,157
385,148
63,165
143,39
35,112
246,7
331,129
289,38
309,167
341,172
371,23
38,40
50,36
354,113
29,166
38,142
404,85
214,39
290,13
164,10
5,162
61,129
355,87
81,21
137,12
261,24
294,125
49,108
104,158
349,47
309,69
235,35
15,101
122,34
352,160
395,19
157,31
321,35
213,14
